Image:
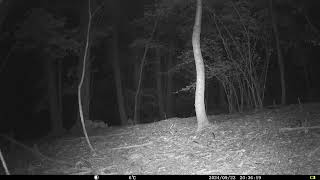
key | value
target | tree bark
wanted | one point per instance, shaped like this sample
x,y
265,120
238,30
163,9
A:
x,y
117,76
201,114
169,100
279,52
116,18
136,111
159,84
60,93
86,88
55,114
142,63
84,19
222,96
85,57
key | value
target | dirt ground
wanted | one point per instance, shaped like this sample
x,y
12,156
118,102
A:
x,y
272,141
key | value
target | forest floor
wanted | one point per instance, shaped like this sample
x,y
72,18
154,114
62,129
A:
x,y
272,141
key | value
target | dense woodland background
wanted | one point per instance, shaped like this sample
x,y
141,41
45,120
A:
x,y
257,53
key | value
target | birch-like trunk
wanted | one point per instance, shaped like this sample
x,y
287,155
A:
x,y
200,109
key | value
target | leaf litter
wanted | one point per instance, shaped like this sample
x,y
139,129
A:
x,y
284,140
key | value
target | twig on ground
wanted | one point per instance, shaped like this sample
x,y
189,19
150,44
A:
x,y
133,146
298,128
314,151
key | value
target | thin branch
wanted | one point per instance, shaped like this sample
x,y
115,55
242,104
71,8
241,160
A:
x,y
223,40
97,9
244,27
230,35
4,164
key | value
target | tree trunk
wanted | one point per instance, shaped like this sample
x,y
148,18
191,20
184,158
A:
x,y
60,93
55,114
222,96
85,57
159,84
136,113
200,83
86,97
279,52
117,76
84,19
142,63
169,100
137,97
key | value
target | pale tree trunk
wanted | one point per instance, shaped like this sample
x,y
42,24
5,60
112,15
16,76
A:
x,y
86,88
159,83
201,114
55,114
83,72
84,25
78,126
279,52
117,76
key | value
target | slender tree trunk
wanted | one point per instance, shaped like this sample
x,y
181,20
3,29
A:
x,y
136,112
206,96
200,84
137,97
84,25
83,72
159,84
86,88
142,63
60,93
222,96
279,52
117,76
116,18
55,114
169,99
